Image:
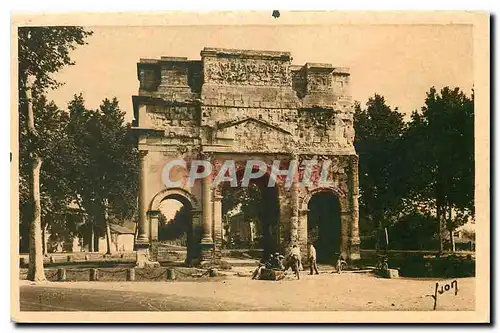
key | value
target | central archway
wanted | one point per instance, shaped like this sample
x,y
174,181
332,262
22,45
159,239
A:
x,y
251,215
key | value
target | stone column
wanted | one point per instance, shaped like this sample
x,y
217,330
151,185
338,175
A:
x,y
194,237
354,227
217,223
345,226
143,237
143,234
294,223
207,242
153,224
303,230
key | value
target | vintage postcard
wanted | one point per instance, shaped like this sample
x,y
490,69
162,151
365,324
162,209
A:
x,y
213,167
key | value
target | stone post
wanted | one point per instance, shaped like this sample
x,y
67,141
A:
x,y
130,274
61,274
94,274
354,227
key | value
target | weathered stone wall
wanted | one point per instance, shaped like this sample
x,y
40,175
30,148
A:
x,y
241,104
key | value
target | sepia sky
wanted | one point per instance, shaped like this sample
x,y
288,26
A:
x,y
401,62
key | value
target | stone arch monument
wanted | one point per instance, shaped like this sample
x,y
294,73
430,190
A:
x,y
244,105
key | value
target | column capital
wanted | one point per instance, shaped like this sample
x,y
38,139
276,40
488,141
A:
x,y
205,155
143,153
153,213
303,211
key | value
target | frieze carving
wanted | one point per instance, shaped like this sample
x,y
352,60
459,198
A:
x,y
319,82
165,116
148,79
185,112
248,72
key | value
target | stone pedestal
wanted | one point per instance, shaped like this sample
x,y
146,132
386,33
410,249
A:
x,y
142,257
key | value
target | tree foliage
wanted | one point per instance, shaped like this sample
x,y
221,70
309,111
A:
x,y
103,161
412,171
442,161
378,132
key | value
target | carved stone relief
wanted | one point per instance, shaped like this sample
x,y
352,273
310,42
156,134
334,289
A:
x,y
248,72
148,78
167,116
319,82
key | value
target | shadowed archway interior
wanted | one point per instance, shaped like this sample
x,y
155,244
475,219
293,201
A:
x,y
323,226
252,215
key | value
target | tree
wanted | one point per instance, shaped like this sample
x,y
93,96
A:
x,y
442,157
378,132
42,51
104,164
51,124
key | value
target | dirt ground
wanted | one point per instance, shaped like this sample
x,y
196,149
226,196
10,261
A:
x,y
327,291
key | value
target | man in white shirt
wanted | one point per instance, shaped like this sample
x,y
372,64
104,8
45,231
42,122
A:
x,y
295,251
312,259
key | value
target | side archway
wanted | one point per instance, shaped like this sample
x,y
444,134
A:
x,y
175,193
323,222
183,229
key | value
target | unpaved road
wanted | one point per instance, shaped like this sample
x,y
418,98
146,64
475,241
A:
x,y
324,292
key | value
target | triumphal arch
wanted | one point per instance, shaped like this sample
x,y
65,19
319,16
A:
x,y
243,105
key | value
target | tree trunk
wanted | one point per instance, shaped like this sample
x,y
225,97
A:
x,y
44,237
35,268
439,214
452,239
108,238
91,242
108,230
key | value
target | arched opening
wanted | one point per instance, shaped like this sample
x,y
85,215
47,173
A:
x,y
323,225
251,216
175,223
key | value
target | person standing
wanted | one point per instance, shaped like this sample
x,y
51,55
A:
x,y
312,259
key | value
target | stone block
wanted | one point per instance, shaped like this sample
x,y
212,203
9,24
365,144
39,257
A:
x,y
170,274
131,274
61,274
270,274
94,274
391,273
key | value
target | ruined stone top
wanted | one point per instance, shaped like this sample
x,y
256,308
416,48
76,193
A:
x,y
239,72
245,54
246,101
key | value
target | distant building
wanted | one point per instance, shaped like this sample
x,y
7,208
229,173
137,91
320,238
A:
x,y
241,233
122,240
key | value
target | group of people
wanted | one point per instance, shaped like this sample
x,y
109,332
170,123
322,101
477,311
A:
x,y
279,262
